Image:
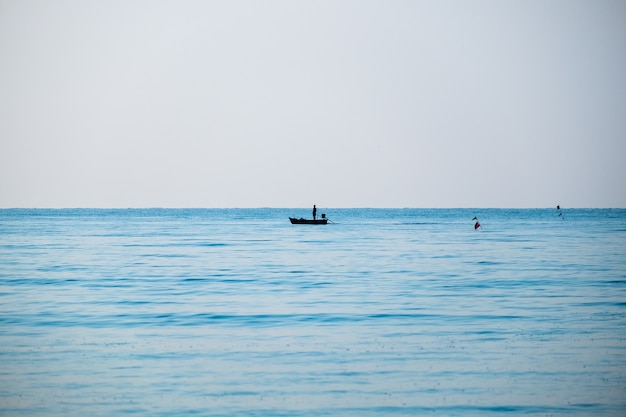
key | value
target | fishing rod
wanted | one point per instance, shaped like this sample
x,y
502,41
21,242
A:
x,y
324,217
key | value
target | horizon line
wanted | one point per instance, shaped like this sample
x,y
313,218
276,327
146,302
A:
x,y
304,207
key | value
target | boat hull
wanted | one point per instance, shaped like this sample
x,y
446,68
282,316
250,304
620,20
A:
x,y
293,220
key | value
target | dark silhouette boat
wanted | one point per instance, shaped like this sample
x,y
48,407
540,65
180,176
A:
x,y
301,220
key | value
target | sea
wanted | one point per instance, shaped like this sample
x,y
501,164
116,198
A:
x,y
381,312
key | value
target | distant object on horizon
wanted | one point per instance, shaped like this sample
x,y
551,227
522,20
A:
x,y
302,220
558,207
315,220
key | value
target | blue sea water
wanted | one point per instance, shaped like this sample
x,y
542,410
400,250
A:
x,y
236,312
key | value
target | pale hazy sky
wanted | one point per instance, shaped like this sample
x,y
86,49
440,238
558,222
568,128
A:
x,y
291,103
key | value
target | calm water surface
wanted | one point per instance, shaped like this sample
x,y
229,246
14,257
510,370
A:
x,y
385,312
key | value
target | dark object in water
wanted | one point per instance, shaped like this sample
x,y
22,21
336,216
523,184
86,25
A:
x,y
301,220
307,221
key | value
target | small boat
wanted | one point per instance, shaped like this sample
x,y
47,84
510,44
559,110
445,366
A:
x,y
301,220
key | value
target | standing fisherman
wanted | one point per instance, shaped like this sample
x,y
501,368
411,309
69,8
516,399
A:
x,y
314,211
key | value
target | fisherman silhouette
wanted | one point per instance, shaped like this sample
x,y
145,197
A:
x,y
314,211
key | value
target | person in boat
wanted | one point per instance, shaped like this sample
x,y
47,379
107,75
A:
x,y
314,211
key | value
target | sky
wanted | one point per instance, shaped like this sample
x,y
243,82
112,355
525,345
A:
x,y
290,103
